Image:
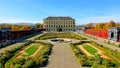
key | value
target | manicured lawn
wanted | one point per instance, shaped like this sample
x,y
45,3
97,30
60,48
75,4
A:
x,y
31,50
90,49
97,61
43,54
7,64
60,35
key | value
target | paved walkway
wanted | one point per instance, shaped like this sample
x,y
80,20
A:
x,y
101,41
62,57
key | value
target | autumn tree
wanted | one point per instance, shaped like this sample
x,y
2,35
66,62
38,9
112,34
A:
x,y
111,24
101,25
96,26
117,25
24,27
105,27
15,27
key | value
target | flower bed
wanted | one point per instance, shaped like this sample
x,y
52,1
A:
x,y
36,56
95,62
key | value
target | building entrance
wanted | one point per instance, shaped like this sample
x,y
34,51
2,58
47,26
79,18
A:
x,y
112,35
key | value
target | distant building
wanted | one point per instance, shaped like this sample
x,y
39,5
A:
x,y
59,24
114,34
5,34
81,28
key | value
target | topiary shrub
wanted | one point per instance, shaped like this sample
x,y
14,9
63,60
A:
x,y
18,66
28,64
43,62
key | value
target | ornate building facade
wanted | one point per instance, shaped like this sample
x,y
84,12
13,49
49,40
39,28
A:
x,y
114,34
59,24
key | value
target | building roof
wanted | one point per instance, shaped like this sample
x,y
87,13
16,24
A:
x,y
58,18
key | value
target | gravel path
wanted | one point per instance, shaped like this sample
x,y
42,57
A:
x,y
62,57
37,52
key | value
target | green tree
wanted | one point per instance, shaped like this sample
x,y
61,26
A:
x,y
38,25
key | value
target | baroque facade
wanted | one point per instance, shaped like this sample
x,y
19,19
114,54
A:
x,y
59,24
114,34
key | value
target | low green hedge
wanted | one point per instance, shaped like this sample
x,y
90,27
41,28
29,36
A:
x,y
91,61
12,54
31,62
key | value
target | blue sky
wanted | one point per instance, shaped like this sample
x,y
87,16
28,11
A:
x,y
84,11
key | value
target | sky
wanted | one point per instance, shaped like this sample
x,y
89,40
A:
x,y
83,11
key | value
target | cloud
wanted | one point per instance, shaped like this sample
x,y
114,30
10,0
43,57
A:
x,y
97,19
18,21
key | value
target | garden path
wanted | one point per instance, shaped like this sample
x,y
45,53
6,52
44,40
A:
x,y
62,57
38,50
23,51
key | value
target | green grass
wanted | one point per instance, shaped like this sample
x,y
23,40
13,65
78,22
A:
x,y
60,35
90,49
10,61
7,64
39,54
31,50
93,61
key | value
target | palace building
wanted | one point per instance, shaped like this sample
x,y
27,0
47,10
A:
x,y
59,24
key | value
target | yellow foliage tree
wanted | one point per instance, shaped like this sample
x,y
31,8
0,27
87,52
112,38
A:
x,y
111,24
105,27
99,26
96,26
15,27
24,27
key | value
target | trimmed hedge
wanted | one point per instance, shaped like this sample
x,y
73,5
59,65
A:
x,y
91,61
9,54
40,60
